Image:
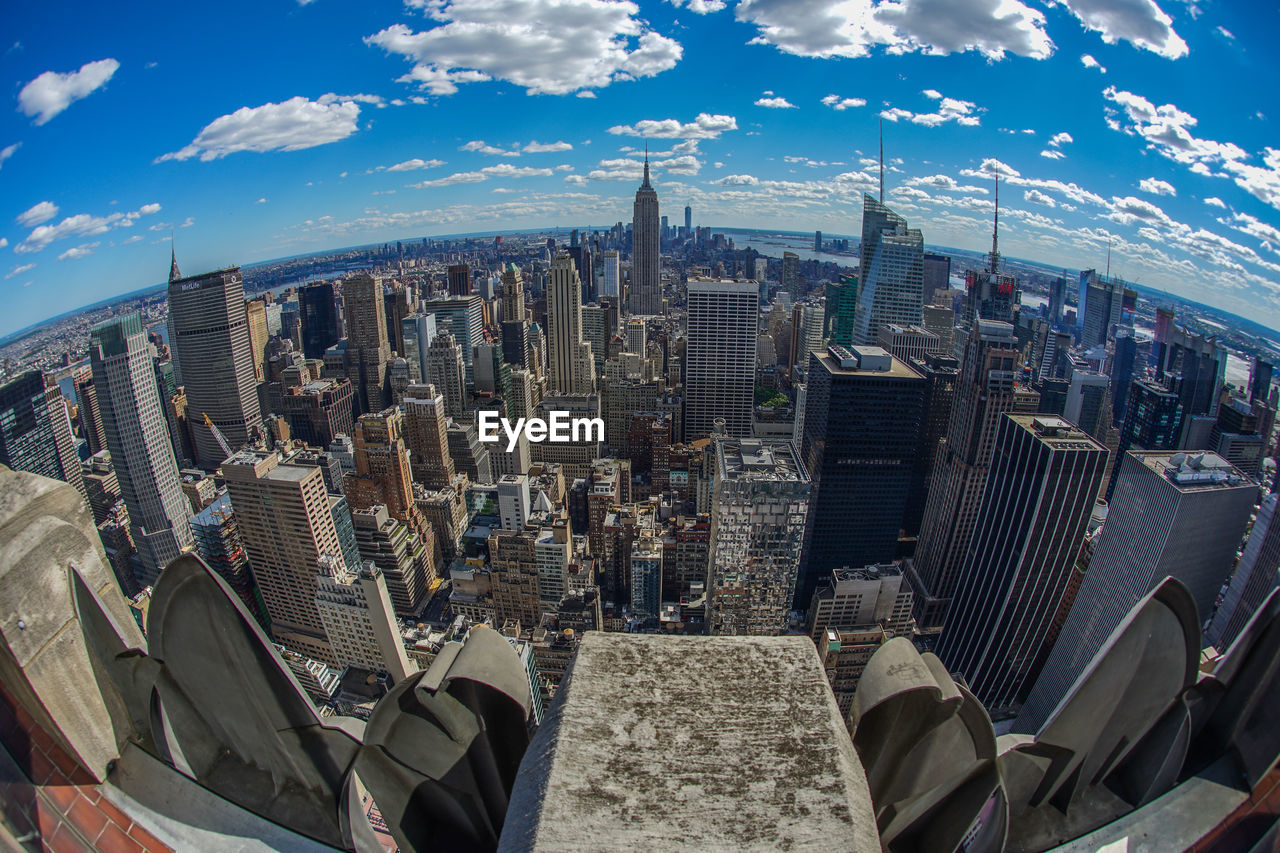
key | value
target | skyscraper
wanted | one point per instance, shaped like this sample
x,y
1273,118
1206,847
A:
x,y
646,271
986,390
89,415
368,351
841,306
425,434
209,337
609,286
256,315
688,221
1123,363
791,273
720,356
1152,421
287,525
760,500
891,272
1045,475
446,371
35,432
941,373
1100,307
318,307
418,331
358,618
937,275
138,440
459,279
990,294
218,539
864,410
1173,515
570,365
1255,576
463,316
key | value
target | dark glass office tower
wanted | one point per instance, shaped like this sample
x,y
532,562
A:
x,y
318,306
863,415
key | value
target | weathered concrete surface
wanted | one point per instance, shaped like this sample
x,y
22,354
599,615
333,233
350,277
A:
x,y
45,529
714,743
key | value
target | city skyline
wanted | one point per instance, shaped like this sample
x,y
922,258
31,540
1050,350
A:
x,y
114,140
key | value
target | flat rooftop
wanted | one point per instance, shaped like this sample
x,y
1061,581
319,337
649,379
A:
x,y
760,459
897,370
709,743
1194,470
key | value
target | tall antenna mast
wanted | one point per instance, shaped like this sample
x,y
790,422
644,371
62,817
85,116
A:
x,y
882,161
995,229
1108,257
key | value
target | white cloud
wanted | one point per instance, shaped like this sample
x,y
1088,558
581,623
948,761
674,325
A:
x,y
820,28
4,241
412,165
701,7
840,104
262,200
481,147
1052,154
775,103
8,151
941,182
1155,186
78,252
1214,201
1089,62
51,92
544,46
705,126
502,170
1012,176
631,167
290,125
1166,130
1140,22
19,270
949,109
1060,139
1226,33
546,147
36,214
80,225
1251,225
1037,197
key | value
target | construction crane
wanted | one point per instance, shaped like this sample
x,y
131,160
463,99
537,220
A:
x,y
217,434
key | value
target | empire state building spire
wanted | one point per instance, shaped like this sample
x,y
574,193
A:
x,y
646,272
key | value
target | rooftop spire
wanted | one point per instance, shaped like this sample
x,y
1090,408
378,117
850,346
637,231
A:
x,y
174,273
995,230
882,161
646,165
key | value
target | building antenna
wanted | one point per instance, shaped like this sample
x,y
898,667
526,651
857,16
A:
x,y
174,274
882,161
995,229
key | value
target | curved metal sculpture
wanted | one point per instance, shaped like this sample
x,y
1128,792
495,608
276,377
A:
x,y
211,697
1139,720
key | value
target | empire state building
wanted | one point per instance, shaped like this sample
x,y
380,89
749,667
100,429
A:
x,y
646,275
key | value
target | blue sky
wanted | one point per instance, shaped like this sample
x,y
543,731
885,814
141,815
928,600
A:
x,y
254,131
